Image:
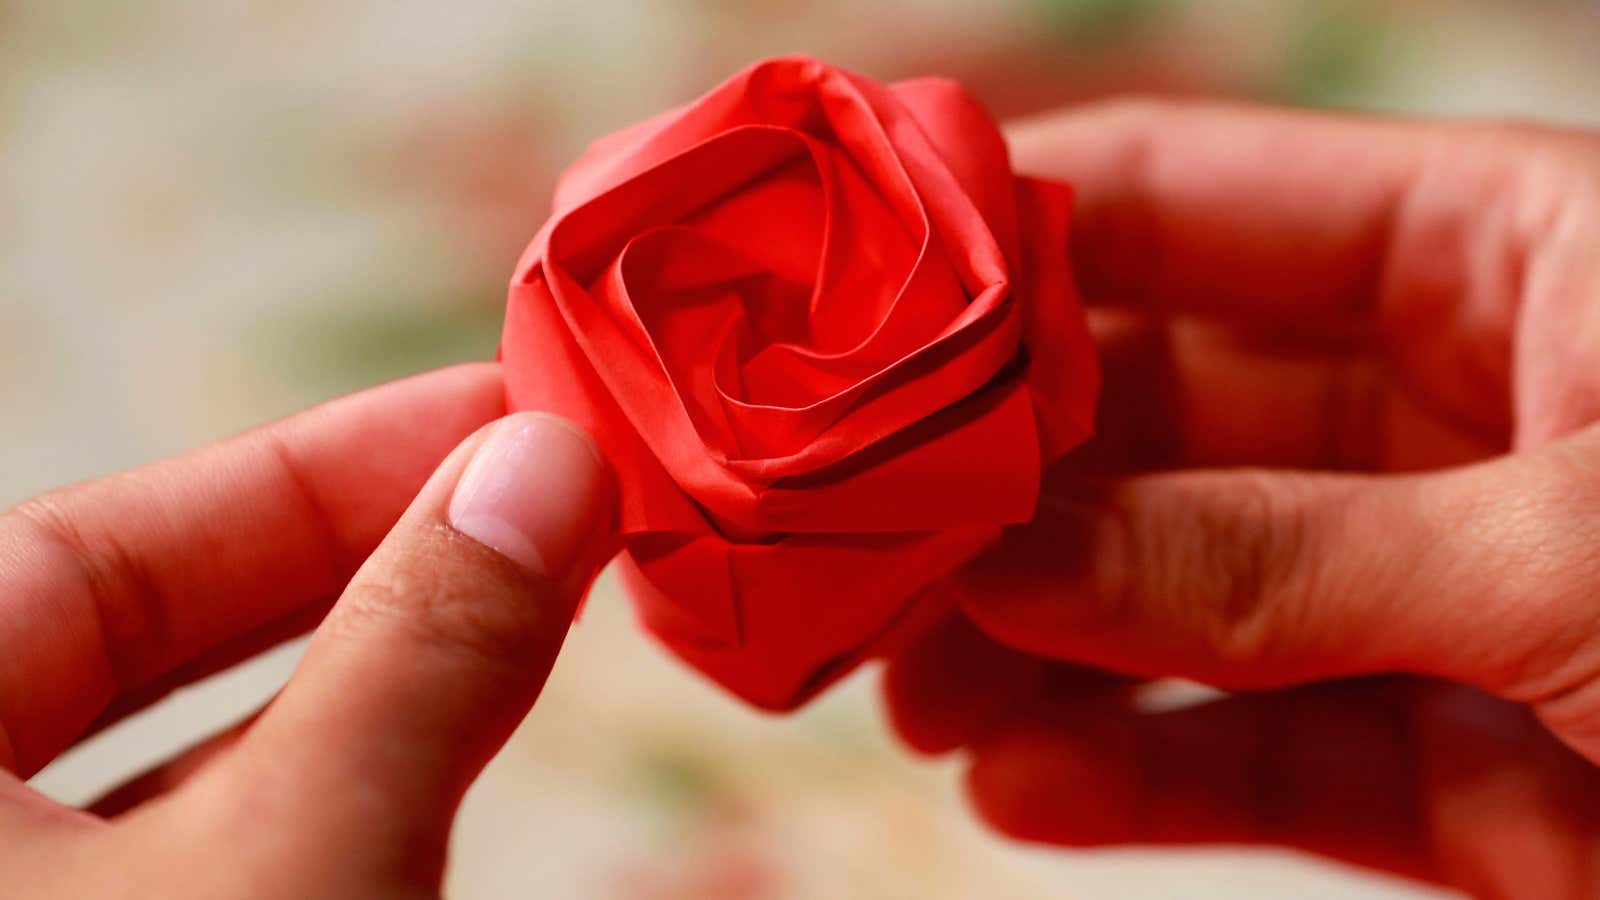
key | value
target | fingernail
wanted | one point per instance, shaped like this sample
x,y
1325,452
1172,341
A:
x,y
534,491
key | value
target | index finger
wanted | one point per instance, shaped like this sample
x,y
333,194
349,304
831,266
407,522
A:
x,y
1260,214
109,585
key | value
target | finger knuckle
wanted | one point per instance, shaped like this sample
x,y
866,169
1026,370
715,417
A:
x,y
1254,564
1247,571
127,602
442,600
1546,172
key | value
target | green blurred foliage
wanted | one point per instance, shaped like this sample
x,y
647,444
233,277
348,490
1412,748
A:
x,y
675,783
1088,24
354,341
1335,55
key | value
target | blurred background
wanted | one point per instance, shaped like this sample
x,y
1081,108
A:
x,y
214,212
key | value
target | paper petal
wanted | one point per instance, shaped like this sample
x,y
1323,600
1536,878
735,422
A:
x,y
1065,369
829,343
813,608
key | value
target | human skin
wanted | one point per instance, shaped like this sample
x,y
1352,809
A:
x,y
438,626
1348,470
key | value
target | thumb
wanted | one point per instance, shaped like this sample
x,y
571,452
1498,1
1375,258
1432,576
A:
x,y
438,647
1256,579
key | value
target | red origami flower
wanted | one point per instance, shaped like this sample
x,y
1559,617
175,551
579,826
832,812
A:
x,y
827,339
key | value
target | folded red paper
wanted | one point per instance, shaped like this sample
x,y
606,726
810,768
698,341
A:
x,y
828,340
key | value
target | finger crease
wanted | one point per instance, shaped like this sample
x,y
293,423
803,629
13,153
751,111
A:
x,y
337,559
118,588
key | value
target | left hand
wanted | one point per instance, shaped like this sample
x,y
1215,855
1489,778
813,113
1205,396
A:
x,y
449,615
1278,294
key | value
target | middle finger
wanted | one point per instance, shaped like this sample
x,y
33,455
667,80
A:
x,y
1181,392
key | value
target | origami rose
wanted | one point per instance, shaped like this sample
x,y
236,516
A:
x,y
827,339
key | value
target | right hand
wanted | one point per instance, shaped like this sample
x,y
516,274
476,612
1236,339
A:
x,y
450,613
1348,434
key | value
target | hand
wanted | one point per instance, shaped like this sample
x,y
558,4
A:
x,y
1352,374
118,591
